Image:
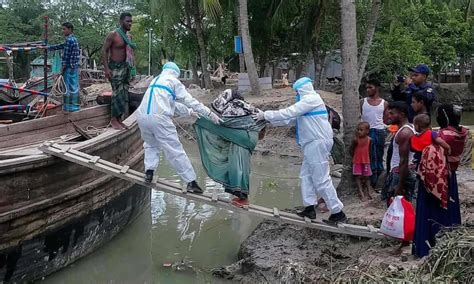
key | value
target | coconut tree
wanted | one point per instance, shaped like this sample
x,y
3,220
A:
x,y
350,82
189,14
249,61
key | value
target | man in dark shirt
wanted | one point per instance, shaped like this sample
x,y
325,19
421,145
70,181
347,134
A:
x,y
416,83
70,68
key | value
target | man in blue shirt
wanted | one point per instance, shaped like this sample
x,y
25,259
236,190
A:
x,y
70,68
416,83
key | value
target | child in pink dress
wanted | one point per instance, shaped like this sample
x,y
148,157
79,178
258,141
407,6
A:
x,y
361,160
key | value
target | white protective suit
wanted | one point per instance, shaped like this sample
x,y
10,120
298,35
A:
x,y
165,95
314,134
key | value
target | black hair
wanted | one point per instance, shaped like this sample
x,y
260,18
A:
x,y
399,106
68,25
365,123
448,115
124,15
423,120
236,95
374,82
421,96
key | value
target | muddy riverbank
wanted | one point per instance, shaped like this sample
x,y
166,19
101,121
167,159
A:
x,y
286,253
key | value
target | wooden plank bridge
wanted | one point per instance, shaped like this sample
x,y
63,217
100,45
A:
x,y
124,172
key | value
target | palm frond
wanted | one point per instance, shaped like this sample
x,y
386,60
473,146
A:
x,y
212,8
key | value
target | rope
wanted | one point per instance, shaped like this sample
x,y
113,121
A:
x,y
92,130
185,132
45,107
59,87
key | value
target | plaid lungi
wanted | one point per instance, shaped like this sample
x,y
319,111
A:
x,y
120,83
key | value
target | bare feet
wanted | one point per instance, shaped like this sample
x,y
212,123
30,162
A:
x,y
116,124
240,203
400,249
368,195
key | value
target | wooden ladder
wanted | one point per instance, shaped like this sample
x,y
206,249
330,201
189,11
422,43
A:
x,y
126,173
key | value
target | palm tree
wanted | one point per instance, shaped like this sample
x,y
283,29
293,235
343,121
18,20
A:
x,y
198,14
190,14
350,75
249,61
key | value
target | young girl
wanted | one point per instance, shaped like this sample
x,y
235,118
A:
x,y
361,159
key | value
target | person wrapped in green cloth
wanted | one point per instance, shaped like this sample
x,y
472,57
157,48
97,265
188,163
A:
x,y
226,149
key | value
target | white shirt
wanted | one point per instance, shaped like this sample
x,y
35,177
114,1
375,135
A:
x,y
373,114
395,161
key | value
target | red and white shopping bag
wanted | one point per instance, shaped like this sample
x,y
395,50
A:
x,y
399,220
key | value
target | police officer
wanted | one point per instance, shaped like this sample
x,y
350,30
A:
x,y
416,83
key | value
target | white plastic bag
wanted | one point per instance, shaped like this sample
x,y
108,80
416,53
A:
x,y
399,220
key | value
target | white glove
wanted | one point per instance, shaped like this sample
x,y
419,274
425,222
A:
x,y
192,113
258,116
215,118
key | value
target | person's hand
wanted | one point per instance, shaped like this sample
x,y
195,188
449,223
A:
x,y
108,74
215,118
259,116
42,47
192,113
449,150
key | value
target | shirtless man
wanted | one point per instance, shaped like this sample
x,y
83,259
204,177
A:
x,y
115,57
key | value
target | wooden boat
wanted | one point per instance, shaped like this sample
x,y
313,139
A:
x,y
53,212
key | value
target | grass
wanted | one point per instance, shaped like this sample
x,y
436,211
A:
x,y
450,261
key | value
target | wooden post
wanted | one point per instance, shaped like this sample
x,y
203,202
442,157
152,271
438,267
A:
x,y
45,55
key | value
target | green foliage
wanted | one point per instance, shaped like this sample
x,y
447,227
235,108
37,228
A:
x,y
437,32
394,53
412,32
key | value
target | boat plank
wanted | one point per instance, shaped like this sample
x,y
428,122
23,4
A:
x,y
54,120
48,133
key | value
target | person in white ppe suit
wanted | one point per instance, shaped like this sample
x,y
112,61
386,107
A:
x,y
165,95
315,137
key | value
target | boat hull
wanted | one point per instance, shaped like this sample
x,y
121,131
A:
x,y
53,212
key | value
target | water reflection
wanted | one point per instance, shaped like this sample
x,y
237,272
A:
x,y
176,230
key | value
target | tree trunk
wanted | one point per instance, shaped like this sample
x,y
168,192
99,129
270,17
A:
x,y
350,83
471,80
194,69
369,36
241,55
462,71
201,43
316,47
263,65
249,61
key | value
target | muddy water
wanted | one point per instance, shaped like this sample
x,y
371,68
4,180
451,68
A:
x,y
468,118
175,230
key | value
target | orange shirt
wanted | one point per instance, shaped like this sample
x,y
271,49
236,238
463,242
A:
x,y
423,140
362,151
